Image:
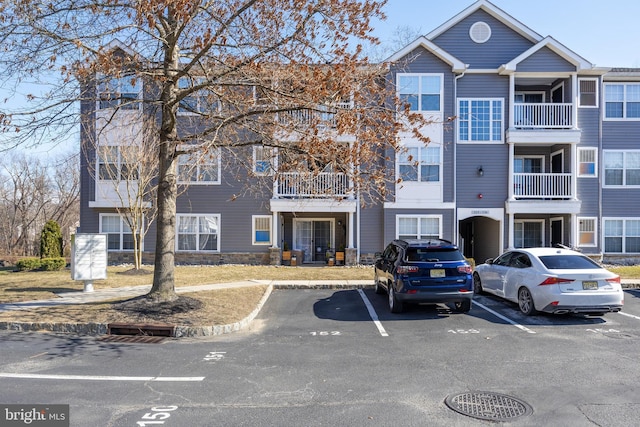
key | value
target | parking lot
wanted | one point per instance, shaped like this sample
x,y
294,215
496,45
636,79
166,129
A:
x,y
319,357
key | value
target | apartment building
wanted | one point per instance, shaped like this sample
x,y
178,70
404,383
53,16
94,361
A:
x,y
530,145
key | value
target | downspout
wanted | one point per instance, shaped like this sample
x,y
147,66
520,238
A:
x,y
456,228
600,163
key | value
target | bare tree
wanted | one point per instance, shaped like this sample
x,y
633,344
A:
x,y
31,193
271,73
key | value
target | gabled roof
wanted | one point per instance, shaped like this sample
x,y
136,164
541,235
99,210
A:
x,y
494,11
456,64
557,47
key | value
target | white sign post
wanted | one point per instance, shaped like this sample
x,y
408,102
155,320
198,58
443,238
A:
x,y
89,259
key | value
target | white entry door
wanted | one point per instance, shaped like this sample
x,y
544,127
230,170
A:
x,y
314,237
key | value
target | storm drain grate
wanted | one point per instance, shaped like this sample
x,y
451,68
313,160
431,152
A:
x,y
135,339
488,406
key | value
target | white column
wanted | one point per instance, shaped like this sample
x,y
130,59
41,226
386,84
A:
x,y
573,231
275,228
350,230
574,171
510,171
510,231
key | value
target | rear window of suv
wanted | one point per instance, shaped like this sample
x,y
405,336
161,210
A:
x,y
433,255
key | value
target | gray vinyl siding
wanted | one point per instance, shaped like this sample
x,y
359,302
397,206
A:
x,y
390,221
485,86
494,159
504,44
372,236
545,60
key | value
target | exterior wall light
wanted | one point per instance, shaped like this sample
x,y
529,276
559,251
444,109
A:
x,y
480,171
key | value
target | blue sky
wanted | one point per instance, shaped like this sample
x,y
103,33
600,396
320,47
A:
x,y
604,32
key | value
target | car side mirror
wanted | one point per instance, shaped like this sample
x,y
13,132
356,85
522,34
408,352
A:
x,y
489,261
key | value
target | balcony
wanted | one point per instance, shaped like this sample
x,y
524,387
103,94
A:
x,y
324,116
542,186
543,193
543,123
324,185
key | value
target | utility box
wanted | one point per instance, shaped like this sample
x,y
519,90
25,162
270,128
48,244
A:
x,y
89,258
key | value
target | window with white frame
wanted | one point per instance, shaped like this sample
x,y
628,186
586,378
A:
x,y
198,232
480,120
621,168
199,168
622,101
588,88
587,231
421,92
199,101
418,226
119,235
261,229
117,163
587,162
123,93
264,159
622,235
419,164
528,234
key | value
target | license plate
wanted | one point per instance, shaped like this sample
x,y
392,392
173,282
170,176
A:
x,y
438,273
589,285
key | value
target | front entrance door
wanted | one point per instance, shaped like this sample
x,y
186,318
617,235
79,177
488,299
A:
x,y
314,237
556,231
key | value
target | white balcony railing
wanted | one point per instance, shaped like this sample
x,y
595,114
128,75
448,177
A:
x,y
310,185
542,116
324,116
542,185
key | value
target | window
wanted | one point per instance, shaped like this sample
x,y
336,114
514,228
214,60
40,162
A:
x,y
199,168
622,101
588,92
198,232
622,235
418,226
420,164
261,226
422,92
622,168
119,235
264,160
200,101
587,165
114,163
586,231
122,93
480,120
528,234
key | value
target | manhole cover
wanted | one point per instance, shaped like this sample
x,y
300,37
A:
x,y
136,339
488,406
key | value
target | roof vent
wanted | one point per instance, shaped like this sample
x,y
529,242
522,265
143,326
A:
x,y
480,32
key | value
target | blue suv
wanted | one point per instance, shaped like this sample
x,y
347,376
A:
x,y
424,271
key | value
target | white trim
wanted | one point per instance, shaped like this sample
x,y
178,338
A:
x,y
597,94
551,221
595,162
121,233
604,169
218,164
502,121
457,66
557,153
624,234
420,92
198,216
476,29
522,221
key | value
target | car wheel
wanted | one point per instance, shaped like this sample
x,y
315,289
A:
x,y
463,306
379,289
477,284
525,302
395,306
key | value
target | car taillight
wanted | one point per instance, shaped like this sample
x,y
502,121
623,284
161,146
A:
x,y
404,269
555,281
614,280
465,269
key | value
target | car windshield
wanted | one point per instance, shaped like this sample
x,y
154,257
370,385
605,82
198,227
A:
x,y
433,255
568,262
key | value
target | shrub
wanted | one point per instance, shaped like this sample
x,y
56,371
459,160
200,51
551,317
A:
x,y
52,264
51,240
26,264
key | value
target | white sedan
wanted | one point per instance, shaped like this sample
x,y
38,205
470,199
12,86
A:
x,y
551,280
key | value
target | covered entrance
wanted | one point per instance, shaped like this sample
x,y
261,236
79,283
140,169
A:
x,y
480,233
313,236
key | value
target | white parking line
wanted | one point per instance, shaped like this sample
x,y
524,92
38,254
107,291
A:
x,y
372,313
506,319
629,315
98,377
